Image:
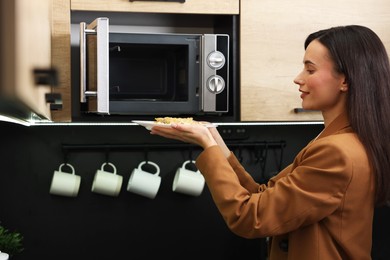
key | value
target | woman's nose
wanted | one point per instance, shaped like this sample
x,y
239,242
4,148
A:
x,y
299,80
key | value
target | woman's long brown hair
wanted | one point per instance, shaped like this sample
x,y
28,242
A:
x,y
360,55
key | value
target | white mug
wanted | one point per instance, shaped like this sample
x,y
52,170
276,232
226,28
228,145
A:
x,y
144,183
4,256
187,181
64,183
107,183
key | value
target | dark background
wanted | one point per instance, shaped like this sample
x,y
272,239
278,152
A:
x,y
93,226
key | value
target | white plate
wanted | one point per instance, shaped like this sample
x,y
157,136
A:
x,y
149,124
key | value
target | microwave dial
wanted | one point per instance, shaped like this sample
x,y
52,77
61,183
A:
x,y
216,60
216,84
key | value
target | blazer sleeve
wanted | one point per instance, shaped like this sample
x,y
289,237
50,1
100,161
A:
x,y
246,180
300,195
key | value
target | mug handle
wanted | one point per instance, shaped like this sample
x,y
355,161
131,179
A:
x,y
187,162
152,163
67,164
110,164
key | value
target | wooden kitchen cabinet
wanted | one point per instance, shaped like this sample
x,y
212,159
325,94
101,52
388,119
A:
x,y
272,38
25,46
188,7
61,32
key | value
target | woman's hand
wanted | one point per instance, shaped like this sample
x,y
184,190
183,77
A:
x,y
188,133
194,134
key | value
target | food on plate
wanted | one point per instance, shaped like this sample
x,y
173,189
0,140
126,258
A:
x,y
176,120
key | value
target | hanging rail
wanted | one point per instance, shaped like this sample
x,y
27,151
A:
x,y
89,147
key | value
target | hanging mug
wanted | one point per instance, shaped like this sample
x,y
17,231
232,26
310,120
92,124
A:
x,y
187,181
144,183
107,183
65,183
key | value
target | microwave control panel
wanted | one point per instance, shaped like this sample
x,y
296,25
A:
x,y
215,73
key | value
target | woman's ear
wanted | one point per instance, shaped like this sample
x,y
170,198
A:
x,y
344,86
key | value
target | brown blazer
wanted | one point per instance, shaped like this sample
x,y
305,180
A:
x,y
319,207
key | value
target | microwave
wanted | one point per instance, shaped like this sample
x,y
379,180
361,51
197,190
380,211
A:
x,y
149,74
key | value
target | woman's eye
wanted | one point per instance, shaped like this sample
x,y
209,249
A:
x,y
310,71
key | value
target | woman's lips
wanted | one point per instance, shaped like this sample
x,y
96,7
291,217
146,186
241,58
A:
x,y
304,93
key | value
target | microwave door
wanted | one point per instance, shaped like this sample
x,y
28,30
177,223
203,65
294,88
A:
x,y
94,87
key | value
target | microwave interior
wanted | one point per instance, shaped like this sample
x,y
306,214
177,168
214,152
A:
x,y
148,71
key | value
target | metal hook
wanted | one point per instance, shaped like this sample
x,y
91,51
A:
x,y
279,160
264,156
261,155
281,157
107,153
146,151
190,153
66,156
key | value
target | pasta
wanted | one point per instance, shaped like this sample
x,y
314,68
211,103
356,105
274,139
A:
x,y
176,120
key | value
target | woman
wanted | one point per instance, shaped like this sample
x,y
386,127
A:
x,y
321,206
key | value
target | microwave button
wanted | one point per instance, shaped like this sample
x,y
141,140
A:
x,y
216,60
216,84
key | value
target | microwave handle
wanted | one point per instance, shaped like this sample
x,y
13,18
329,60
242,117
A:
x,y
100,28
83,62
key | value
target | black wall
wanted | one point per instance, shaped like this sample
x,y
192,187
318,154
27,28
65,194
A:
x,y
93,226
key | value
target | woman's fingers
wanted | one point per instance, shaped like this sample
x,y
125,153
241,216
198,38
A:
x,y
195,134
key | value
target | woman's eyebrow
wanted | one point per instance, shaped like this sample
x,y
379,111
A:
x,y
308,62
